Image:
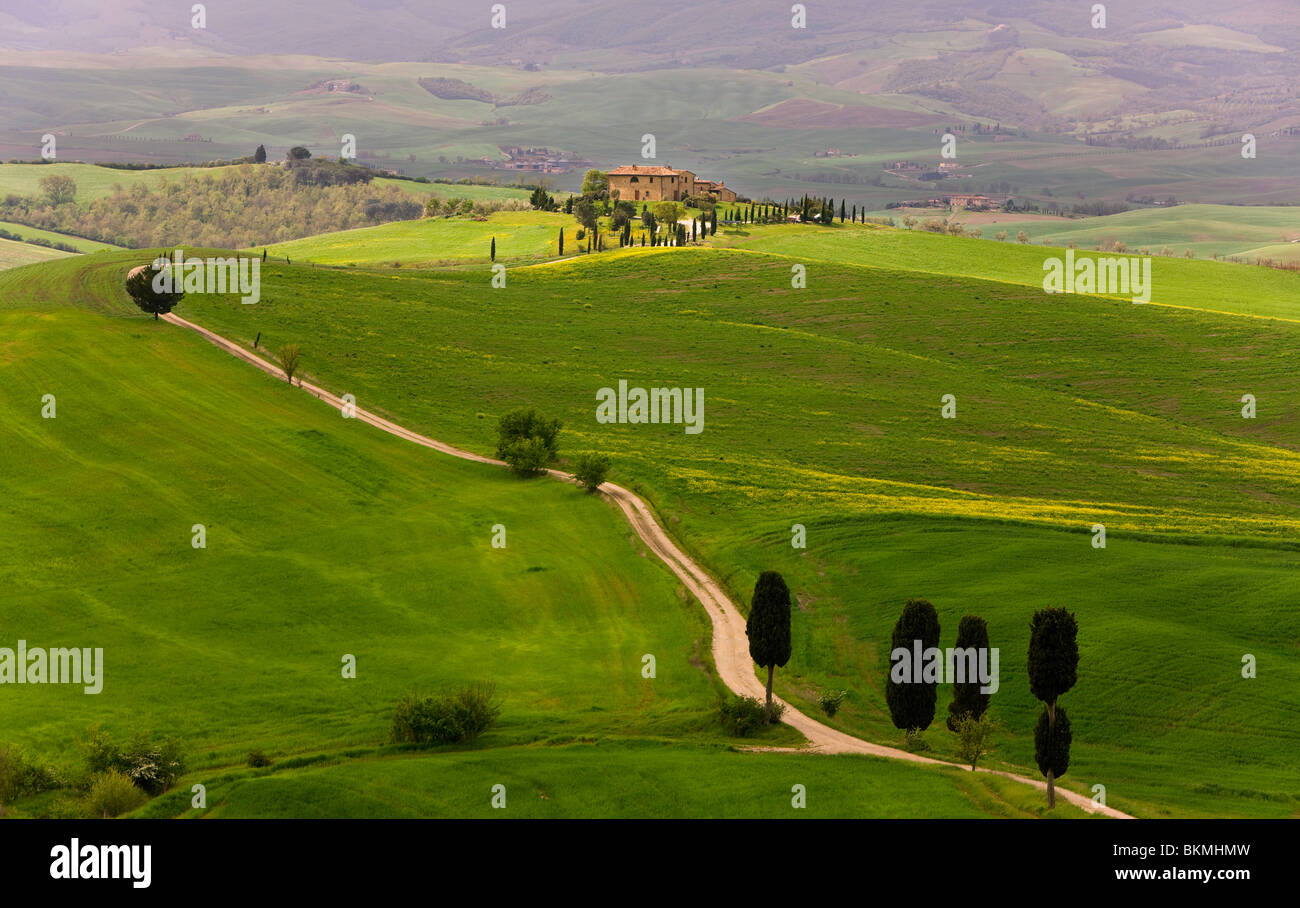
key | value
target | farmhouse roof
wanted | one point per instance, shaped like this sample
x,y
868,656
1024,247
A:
x,y
653,169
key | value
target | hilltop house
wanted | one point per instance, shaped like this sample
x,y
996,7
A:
x,y
653,183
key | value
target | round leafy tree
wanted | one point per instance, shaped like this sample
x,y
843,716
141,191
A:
x,y
149,293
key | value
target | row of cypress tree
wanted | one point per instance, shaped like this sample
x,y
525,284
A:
x,y
1052,667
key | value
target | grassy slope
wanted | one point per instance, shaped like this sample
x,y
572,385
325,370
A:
x,y
520,235
81,244
14,253
1205,229
1245,290
823,409
93,182
613,780
327,537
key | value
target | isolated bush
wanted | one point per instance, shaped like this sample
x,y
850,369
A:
x,y
742,716
445,718
591,470
830,701
112,794
527,441
258,758
20,777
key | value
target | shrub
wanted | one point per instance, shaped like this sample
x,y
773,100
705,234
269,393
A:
x,y
151,765
20,777
973,737
112,794
445,718
526,441
527,456
914,740
830,701
258,758
774,711
742,716
591,470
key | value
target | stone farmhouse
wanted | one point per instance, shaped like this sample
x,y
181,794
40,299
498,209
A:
x,y
652,183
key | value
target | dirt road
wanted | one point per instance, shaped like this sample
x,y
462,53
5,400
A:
x,y
730,642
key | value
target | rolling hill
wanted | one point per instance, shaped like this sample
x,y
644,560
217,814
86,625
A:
x,y
325,537
824,411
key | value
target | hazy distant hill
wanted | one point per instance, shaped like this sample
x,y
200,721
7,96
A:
x,y
738,33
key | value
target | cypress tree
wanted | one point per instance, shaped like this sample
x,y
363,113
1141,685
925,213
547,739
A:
x,y
967,700
841,211
768,627
911,704
561,241
494,249
1053,669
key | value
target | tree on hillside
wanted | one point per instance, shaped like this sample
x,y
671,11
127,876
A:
x,y
911,702
768,627
967,699
595,185
297,153
288,357
527,442
1053,669
585,213
140,286
841,211
669,212
591,470
561,241
494,249
259,156
58,188
541,200
648,222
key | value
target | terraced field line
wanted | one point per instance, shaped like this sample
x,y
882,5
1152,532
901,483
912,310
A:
x,y
730,642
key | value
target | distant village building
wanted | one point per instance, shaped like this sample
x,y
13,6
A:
x,y
653,183
970,201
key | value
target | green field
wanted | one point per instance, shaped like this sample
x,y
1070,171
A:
x,y
823,409
326,537
1225,287
622,779
520,235
81,244
1207,230
14,253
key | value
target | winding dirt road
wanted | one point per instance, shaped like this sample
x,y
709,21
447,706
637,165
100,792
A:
x,y
730,642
